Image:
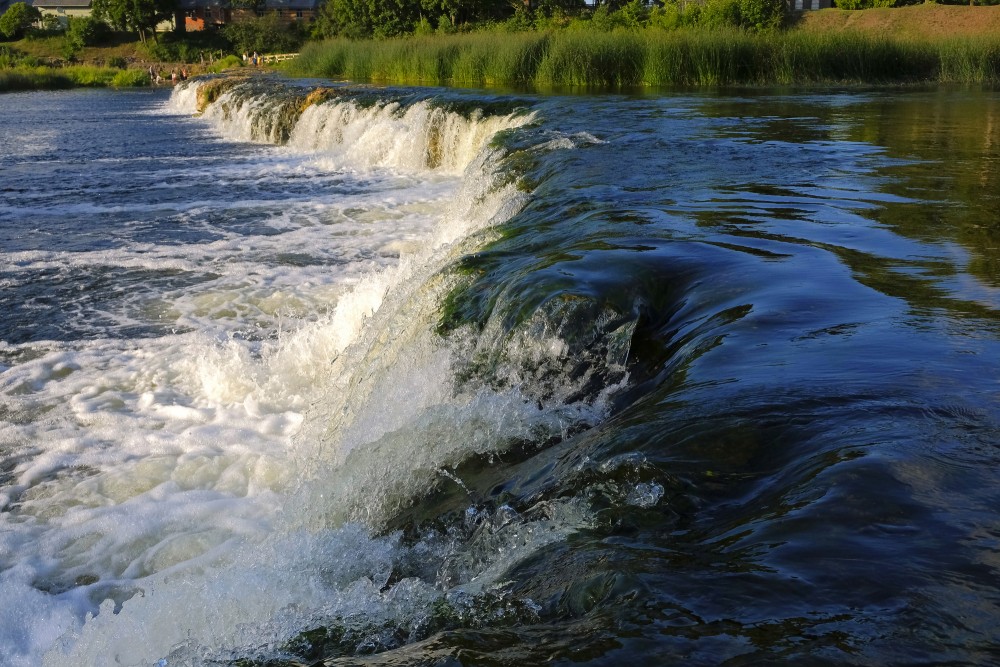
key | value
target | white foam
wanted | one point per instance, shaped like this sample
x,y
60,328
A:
x,y
218,488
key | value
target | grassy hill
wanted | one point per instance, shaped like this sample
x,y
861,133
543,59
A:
x,y
926,21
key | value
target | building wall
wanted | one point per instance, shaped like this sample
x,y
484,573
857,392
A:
x,y
285,14
201,18
64,14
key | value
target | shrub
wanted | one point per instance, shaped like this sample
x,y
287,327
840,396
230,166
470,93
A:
x,y
720,13
865,4
33,79
266,34
130,78
762,14
89,76
17,19
229,62
85,31
423,27
634,14
118,62
9,57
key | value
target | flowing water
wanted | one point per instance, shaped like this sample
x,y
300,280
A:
x,y
446,377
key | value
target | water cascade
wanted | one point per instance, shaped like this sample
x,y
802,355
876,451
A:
x,y
299,538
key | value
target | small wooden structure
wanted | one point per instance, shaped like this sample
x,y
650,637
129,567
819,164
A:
x,y
806,5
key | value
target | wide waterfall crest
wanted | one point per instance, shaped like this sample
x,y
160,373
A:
x,y
415,136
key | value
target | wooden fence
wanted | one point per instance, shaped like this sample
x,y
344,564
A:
x,y
278,57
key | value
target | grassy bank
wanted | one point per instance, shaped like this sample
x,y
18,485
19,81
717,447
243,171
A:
x,y
653,58
42,63
52,78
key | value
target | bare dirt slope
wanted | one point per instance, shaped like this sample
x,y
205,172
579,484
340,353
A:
x,y
926,21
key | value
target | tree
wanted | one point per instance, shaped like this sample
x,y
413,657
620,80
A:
x,y
470,11
142,16
762,14
368,18
85,31
263,34
17,19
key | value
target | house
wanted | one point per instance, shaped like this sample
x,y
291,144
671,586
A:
x,y
62,9
203,14
291,10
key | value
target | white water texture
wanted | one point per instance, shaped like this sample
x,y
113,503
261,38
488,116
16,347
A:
x,y
207,494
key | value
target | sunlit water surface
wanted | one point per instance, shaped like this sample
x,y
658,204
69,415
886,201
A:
x,y
437,377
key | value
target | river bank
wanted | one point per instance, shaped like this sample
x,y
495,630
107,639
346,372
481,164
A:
x,y
42,63
650,58
917,44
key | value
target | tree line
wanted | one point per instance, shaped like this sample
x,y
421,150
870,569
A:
x,y
366,19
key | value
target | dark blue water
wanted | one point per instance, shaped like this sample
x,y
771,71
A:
x,y
668,379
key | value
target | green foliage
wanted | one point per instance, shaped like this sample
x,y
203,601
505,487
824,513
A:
x,y
85,31
18,18
593,58
89,76
264,34
717,14
604,18
671,16
229,62
363,19
46,78
186,48
367,18
521,21
34,78
9,57
423,27
135,15
130,78
634,14
970,61
652,57
762,14
866,4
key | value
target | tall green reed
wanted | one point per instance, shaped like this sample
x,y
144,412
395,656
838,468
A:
x,y
653,57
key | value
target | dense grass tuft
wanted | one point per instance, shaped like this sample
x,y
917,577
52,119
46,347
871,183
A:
x,y
54,78
653,57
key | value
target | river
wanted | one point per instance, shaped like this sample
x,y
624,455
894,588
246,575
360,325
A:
x,y
439,377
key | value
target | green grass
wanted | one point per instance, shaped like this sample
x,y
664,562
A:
x,y
53,78
652,57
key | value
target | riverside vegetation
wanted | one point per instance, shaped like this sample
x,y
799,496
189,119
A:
x,y
617,45
709,43
654,57
98,51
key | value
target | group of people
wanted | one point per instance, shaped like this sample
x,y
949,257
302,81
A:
x,y
254,59
156,78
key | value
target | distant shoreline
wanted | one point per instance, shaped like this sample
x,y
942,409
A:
x,y
926,43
